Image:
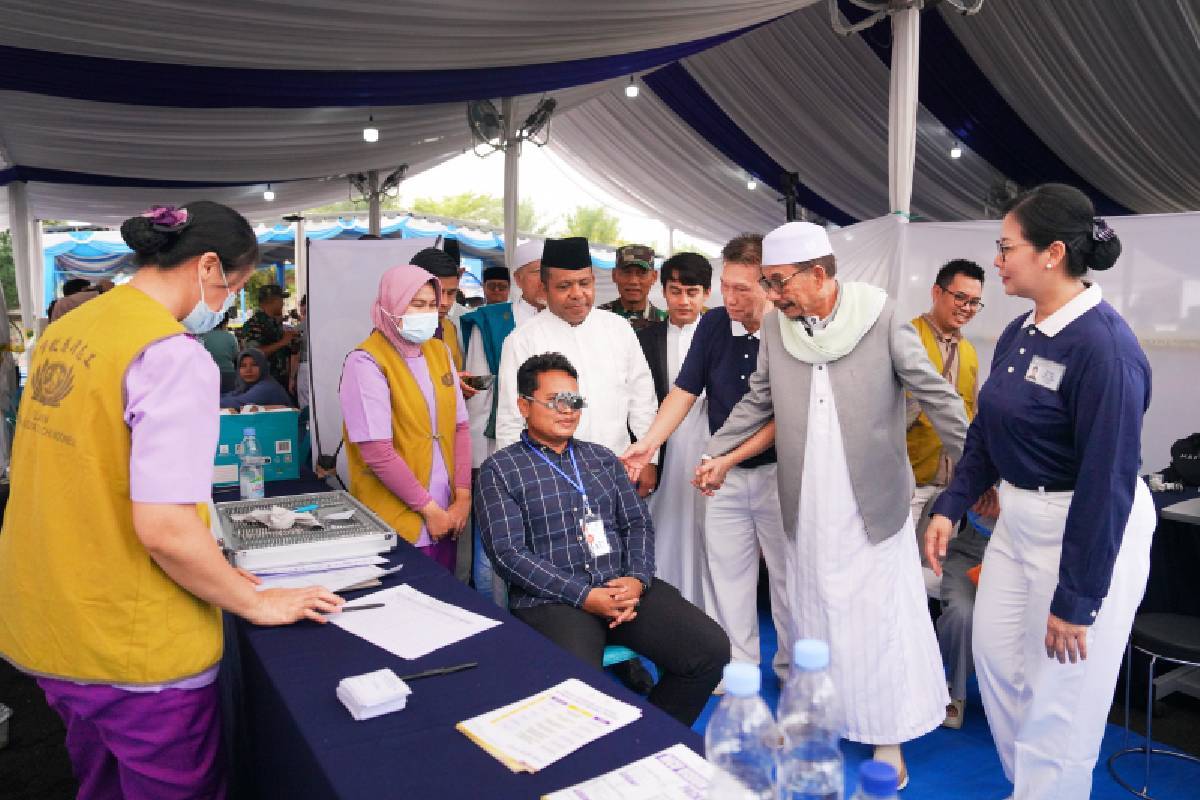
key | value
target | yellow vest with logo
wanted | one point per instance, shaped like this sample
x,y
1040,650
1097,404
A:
x,y
450,336
924,446
80,596
412,430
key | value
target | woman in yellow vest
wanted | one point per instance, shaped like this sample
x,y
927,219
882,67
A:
x,y
112,598
406,433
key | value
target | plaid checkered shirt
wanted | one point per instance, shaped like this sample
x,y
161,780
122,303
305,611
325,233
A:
x,y
530,516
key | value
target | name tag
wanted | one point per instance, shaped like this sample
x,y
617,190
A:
x,y
594,535
1045,373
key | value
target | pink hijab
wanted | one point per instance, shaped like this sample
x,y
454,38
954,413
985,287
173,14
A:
x,y
397,288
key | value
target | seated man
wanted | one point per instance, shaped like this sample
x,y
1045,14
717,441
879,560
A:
x,y
566,529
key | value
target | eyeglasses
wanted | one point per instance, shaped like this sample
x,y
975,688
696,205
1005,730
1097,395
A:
x,y
1003,248
964,300
777,284
562,402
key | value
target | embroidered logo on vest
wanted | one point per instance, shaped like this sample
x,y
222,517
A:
x,y
51,382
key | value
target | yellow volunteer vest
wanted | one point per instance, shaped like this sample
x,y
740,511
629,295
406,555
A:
x,y
412,431
450,335
80,597
924,446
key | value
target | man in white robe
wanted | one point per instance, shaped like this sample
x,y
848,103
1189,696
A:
x,y
677,509
832,369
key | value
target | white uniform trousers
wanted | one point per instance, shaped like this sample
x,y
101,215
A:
x,y
1048,718
742,520
920,499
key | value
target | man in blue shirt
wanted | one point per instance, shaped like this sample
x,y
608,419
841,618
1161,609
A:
x,y
743,519
566,529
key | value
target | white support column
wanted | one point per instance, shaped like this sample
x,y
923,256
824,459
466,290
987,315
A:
x,y
37,262
375,212
19,217
670,240
300,259
902,108
512,181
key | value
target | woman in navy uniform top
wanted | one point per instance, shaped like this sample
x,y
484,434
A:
x,y
1059,426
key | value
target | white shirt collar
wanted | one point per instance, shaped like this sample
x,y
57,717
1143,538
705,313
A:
x,y
1083,302
738,329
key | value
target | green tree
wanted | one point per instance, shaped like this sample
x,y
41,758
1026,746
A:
x,y
596,223
485,209
8,270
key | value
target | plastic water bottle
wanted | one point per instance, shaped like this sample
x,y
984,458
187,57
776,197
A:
x,y
250,469
877,780
810,762
741,739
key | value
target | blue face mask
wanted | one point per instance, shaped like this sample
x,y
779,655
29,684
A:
x,y
418,328
203,319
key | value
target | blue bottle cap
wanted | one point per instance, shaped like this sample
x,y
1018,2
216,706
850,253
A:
x,y
249,432
878,778
742,679
810,655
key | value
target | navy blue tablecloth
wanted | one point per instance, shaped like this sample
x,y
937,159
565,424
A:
x,y
293,738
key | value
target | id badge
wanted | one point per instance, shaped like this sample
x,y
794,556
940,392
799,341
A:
x,y
594,535
1045,373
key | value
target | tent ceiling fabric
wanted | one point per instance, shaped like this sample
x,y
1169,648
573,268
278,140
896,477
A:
x,y
818,104
367,34
1111,90
665,171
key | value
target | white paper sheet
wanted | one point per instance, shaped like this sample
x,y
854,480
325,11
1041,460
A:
x,y
532,733
333,579
411,624
676,773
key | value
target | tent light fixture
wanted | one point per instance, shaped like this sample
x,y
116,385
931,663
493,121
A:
x,y
371,133
956,150
631,91
752,184
269,194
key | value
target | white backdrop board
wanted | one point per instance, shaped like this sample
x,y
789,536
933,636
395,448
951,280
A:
x,y
343,280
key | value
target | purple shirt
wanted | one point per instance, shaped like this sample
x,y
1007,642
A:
x,y
366,404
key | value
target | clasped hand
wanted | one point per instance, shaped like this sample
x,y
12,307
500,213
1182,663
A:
x,y
617,601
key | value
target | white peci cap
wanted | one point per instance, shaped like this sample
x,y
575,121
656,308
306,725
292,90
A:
x,y
795,242
528,251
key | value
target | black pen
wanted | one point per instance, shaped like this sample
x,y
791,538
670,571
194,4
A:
x,y
429,673
363,607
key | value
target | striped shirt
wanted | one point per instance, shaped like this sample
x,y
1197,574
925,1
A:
x,y
530,518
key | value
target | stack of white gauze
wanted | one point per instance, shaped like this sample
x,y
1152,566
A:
x,y
373,694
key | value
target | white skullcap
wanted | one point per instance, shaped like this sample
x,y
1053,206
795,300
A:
x,y
795,242
528,251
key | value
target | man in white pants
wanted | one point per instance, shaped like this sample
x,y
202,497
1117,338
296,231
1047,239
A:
x,y
743,519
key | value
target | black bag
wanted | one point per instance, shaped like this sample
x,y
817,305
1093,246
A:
x,y
1185,459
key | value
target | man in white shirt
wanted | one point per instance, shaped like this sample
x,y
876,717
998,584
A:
x,y
613,373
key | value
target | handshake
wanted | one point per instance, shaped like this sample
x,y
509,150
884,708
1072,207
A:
x,y
708,477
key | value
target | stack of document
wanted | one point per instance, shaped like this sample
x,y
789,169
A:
x,y
676,773
372,694
530,734
411,624
333,575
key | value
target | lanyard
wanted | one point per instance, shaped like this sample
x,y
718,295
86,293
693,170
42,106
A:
x,y
576,484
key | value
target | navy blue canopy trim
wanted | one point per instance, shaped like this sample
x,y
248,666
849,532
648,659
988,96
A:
x,y
676,87
41,175
189,86
955,90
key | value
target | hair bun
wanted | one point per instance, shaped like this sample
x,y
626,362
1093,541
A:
x,y
1104,253
142,237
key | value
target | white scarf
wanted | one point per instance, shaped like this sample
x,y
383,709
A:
x,y
858,308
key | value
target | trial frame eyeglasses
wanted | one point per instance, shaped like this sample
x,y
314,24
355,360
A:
x,y
562,402
963,300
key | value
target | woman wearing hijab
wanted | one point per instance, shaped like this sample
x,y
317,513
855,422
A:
x,y
114,600
255,386
406,431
